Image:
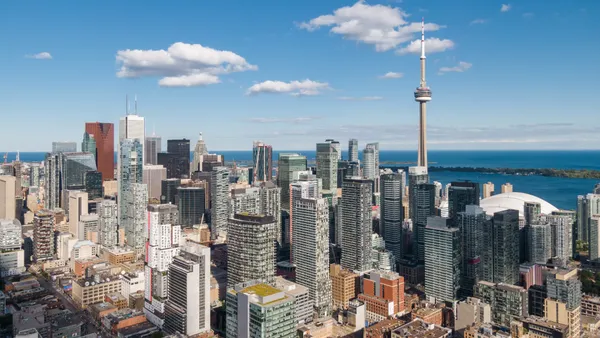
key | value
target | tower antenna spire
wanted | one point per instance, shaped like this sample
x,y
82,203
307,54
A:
x,y
126,104
423,38
135,100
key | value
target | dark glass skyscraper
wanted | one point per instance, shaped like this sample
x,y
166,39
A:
x,y
175,165
501,248
104,135
74,167
392,215
181,150
191,205
262,161
461,194
93,184
168,191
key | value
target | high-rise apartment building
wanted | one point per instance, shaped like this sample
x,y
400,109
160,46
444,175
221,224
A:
x,y
563,304
287,165
191,205
107,212
7,197
306,187
392,212
562,223
135,201
594,237
12,257
461,194
188,307
471,223
251,248
270,204
219,195
257,309
152,146
311,250
132,127
262,160
501,248
507,301
130,172
507,187
52,182
327,161
78,206
200,150
587,207
152,176
162,245
64,147
104,135
355,208
532,212
43,235
488,189
368,163
34,175
88,145
424,199
540,243
443,259
167,213
353,150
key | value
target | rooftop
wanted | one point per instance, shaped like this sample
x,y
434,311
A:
x,y
419,329
261,290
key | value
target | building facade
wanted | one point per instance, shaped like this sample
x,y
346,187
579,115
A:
x,y
355,209
104,135
443,260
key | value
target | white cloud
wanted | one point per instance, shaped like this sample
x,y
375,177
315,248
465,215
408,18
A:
x,y
379,25
505,8
432,45
391,75
478,21
295,88
360,98
461,67
181,65
40,56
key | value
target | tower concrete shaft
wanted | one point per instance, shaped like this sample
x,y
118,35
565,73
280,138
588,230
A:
x,y
422,95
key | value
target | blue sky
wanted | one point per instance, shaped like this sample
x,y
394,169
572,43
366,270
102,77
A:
x,y
504,75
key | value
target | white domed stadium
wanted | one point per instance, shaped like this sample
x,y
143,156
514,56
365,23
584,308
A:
x,y
515,201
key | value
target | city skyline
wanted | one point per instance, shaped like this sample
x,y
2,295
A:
x,y
265,82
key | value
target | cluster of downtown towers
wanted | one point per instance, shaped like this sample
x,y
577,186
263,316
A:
x,y
325,208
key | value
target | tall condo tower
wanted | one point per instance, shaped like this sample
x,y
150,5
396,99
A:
x,y
422,95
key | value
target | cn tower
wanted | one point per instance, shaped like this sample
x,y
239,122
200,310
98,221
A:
x,y
422,95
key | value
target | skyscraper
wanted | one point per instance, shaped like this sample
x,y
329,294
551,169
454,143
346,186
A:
x,y
422,95
64,147
562,222
392,213
104,136
587,206
135,219
92,182
501,248
168,190
34,175
424,196
152,147
311,250
327,161
43,239
251,248
199,151
286,166
563,304
219,195
107,212
88,145
188,307
153,175
353,150
369,163
257,309
443,258
132,127
461,194
130,172
471,223
532,212
191,205
73,169
540,243
181,149
262,160
78,206
7,197
355,207
52,181
375,147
